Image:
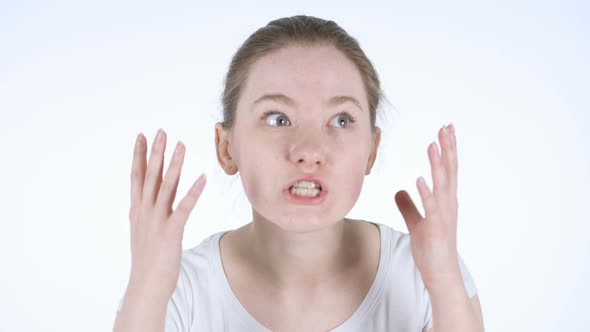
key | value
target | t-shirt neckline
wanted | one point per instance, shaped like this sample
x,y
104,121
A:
x,y
373,295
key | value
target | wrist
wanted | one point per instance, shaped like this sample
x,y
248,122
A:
x,y
141,311
446,286
441,280
144,290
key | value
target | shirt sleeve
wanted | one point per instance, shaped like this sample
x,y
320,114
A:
x,y
179,308
469,287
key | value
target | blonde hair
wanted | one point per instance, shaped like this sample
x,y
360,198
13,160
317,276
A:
x,y
301,29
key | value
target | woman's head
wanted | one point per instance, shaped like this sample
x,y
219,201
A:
x,y
297,106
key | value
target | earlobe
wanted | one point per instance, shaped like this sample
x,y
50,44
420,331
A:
x,y
373,154
222,149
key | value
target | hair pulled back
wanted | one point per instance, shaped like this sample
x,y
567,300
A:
x,y
300,29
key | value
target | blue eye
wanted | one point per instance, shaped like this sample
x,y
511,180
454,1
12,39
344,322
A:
x,y
343,120
275,119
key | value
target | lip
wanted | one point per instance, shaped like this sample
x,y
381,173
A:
x,y
306,200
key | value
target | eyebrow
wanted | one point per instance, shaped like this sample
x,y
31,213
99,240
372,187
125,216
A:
x,y
281,98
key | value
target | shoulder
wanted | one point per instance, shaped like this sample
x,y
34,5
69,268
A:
x,y
396,256
197,288
199,274
398,287
199,260
396,241
389,232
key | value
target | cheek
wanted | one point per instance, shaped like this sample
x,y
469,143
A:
x,y
353,151
258,164
352,165
353,174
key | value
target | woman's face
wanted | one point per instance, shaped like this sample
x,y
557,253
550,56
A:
x,y
303,112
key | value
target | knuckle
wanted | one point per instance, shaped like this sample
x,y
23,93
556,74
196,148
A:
x,y
157,149
133,215
135,173
151,174
452,169
166,187
182,210
139,149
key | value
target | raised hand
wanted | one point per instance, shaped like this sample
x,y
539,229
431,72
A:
x,y
433,238
156,230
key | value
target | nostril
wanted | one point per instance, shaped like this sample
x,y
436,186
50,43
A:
x,y
303,161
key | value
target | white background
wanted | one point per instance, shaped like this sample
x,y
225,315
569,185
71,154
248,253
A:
x,y
79,80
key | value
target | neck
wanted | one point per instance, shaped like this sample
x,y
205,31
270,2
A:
x,y
293,260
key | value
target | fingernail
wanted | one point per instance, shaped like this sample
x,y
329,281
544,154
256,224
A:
x,y
436,149
138,139
198,182
178,148
452,135
160,135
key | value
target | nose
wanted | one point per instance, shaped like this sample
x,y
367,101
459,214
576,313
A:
x,y
309,152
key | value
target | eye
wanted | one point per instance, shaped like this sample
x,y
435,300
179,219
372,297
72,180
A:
x,y
275,119
343,120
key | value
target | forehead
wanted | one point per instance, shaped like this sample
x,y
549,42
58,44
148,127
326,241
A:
x,y
305,73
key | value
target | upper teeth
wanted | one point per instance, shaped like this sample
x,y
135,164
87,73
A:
x,y
305,184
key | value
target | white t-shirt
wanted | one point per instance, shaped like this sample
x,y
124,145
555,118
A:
x,y
396,301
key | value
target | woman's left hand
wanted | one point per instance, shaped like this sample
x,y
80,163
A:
x,y
433,239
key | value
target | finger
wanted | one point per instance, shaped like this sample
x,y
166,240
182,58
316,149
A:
x,y
154,169
167,191
408,209
427,197
137,174
439,176
449,158
186,205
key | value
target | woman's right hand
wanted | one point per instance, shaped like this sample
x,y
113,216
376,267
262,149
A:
x,y
156,230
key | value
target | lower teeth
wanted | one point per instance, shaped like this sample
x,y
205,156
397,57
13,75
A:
x,y
306,192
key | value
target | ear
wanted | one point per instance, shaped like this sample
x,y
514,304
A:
x,y
373,155
223,152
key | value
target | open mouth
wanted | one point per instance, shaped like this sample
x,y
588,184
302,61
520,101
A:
x,y
304,191
308,190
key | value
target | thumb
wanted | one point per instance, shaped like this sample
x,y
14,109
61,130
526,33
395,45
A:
x,y
408,210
